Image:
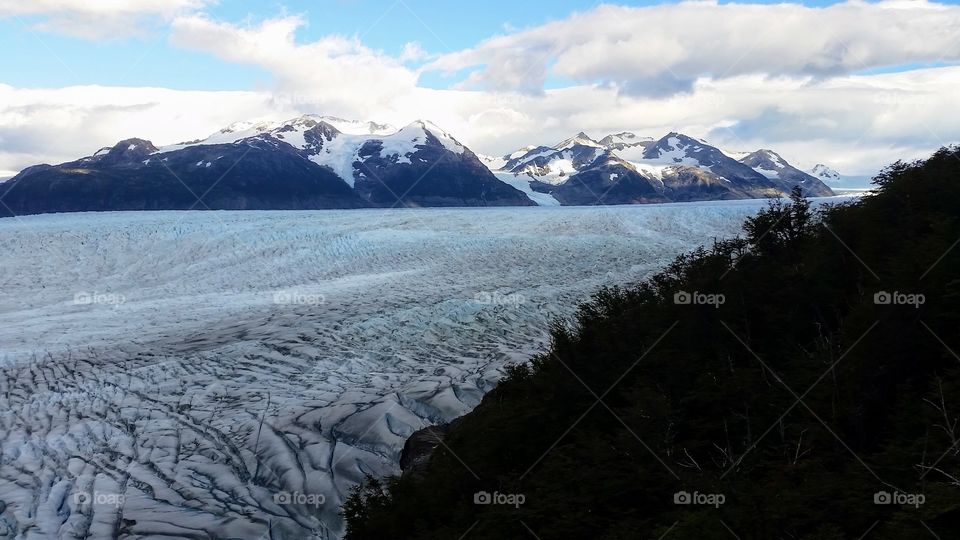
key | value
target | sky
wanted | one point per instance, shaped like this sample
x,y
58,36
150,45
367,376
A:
x,y
855,85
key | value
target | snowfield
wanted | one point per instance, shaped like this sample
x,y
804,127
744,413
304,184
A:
x,y
234,374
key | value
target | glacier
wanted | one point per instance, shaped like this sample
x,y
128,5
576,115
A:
x,y
234,374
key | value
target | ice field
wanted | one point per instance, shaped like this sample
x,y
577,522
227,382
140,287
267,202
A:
x,y
233,374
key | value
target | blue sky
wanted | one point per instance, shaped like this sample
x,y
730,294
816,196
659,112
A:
x,y
150,61
853,84
48,59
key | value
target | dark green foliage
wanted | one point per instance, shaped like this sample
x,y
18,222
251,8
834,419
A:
x,y
798,398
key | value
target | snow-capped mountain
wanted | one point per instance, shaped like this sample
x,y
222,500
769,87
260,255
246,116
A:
x,y
303,163
580,139
775,168
317,161
626,168
824,173
619,141
841,182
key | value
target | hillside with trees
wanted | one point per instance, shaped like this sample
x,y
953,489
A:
x,y
801,382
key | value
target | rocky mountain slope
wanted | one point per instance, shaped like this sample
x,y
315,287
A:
x,y
314,162
624,168
800,377
306,163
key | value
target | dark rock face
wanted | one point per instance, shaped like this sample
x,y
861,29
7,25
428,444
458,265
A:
x,y
535,156
612,182
272,169
308,163
225,177
685,184
435,176
420,446
709,157
674,168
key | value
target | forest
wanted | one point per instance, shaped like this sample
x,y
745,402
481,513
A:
x,y
799,382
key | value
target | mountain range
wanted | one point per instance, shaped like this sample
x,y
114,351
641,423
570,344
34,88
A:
x,y
625,168
314,162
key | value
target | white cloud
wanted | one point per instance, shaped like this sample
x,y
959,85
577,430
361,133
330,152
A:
x,y
854,123
97,19
413,51
664,49
335,73
52,126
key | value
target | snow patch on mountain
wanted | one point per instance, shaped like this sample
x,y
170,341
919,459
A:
x,y
354,127
633,154
290,131
624,139
405,142
735,154
768,173
340,154
651,170
336,149
676,152
522,182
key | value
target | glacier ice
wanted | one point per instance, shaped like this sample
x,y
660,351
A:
x,y
167,374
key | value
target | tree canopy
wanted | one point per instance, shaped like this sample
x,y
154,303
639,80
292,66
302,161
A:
x,y
801,382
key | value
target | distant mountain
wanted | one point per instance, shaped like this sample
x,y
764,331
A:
x,y
775,168
687,419
306,163
824,173
624,168
839,181
619,141
327,162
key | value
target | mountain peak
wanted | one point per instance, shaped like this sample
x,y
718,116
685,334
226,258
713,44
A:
x,y
242,126
580,138
624,139
824,172
133,145
426,129
683,138
676,146
765,159
426,125
127,150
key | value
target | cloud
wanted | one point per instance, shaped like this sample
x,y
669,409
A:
x,y
664,49
334,73
727,85
413,51
854,123
53,126
97,19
